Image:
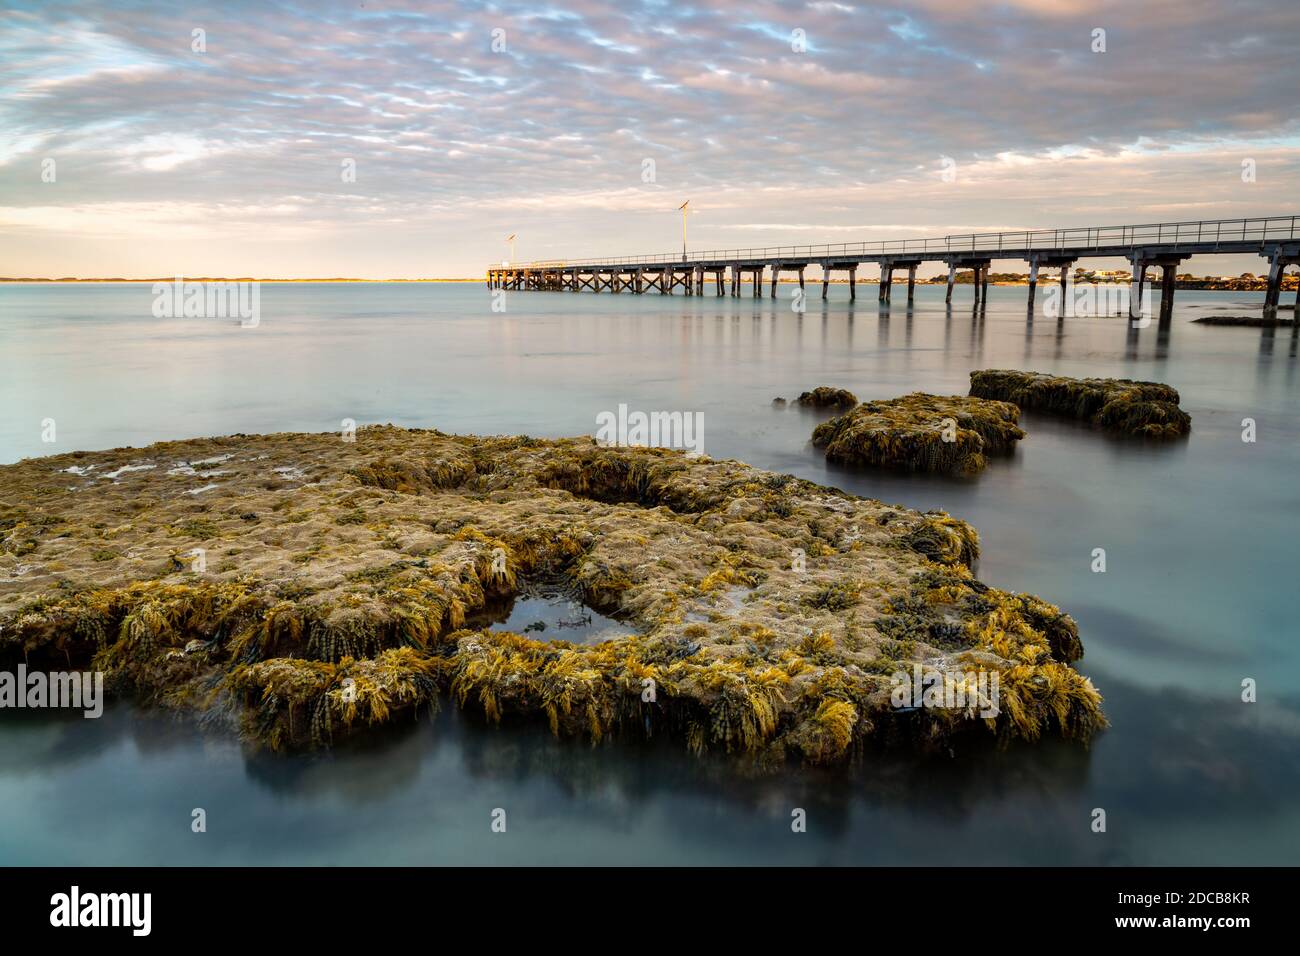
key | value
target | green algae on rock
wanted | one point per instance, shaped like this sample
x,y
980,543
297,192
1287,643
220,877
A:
x,y
825,396
1149,409
920,432
304,587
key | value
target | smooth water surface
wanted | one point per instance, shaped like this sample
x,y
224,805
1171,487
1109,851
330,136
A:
x,y
1199,591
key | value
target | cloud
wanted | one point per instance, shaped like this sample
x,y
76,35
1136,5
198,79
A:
x,y
549,136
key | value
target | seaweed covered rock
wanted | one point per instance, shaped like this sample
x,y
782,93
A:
x,y
1247,321
920,432
824,396
295,588
1119,404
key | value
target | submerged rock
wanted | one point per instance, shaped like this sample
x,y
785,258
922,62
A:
x,y
1119,404
1249,321
920,432
771,616
824,396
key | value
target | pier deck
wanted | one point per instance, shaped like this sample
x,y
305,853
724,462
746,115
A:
x,y
1160,245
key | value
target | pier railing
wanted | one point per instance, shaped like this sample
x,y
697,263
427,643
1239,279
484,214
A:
x,y
1202,233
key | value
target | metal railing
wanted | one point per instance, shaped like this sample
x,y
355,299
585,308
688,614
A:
x,y
1206,232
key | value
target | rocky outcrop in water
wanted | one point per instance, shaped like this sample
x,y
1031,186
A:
x,y
920,432
294,588
1149,409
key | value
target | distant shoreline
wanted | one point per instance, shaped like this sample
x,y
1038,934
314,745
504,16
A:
x,y
1203,284
73,281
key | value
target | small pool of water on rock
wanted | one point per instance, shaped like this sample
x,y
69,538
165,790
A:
x,y
550,613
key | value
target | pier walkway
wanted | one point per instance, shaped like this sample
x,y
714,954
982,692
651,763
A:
x,y
1151,245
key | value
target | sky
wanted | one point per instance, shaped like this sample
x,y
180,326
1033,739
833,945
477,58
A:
x,y
405,140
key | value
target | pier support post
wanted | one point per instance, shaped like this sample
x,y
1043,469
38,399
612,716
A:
x,y
952,277
1137,287
1033,283
975,280
1168,280
758,283
776,277
801,268
1274,294
853,283
886,277
826,280
984,283
911,283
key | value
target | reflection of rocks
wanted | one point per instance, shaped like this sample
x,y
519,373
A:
x,y
345,603
1175,761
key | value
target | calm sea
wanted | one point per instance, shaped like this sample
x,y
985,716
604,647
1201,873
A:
x,y
1199,592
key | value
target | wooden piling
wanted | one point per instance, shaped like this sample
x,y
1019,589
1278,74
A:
x,y
1168,280
1137,287
1273,295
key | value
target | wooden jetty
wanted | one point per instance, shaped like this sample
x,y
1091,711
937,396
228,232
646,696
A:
x,y
1147,246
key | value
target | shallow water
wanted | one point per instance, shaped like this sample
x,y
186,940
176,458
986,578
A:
x,y
1198,593
550,615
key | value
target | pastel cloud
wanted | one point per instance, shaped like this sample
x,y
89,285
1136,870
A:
x,y
456,145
